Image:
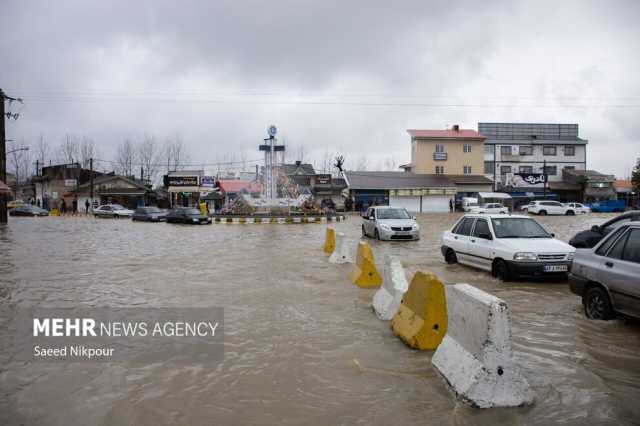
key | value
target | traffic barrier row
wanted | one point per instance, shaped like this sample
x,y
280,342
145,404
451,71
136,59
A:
x,y
280,220
342,250
386,301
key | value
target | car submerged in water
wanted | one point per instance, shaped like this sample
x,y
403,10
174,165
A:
x,y
149,214
187,215
28,210
506,246
389,223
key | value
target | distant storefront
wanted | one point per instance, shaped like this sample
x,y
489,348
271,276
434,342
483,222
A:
x,y
184,187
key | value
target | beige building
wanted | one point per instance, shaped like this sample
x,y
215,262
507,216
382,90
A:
x,y
446,152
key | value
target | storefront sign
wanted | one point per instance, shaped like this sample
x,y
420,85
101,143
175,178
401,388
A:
x,y
207,181
323,179
182,180
69,182
525,179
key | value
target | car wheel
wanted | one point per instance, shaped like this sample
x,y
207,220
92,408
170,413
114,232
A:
x,y
450,257
597,305
376,234
542,212
501,271
115,216
570,213
364,233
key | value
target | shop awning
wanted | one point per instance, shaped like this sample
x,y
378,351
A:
x,y
496,195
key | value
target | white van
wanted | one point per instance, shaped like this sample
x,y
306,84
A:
x,y
468,203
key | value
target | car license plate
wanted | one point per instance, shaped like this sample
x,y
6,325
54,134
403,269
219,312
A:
x,y
555,268
403,232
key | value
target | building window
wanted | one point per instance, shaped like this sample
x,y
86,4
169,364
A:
x,y
551,170
525,169
466,147
569,167
526,150
439,148
466,170
569,151
549,150
439,170
504,170
505,150
489,167
488,149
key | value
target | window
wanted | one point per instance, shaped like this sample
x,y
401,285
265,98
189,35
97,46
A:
x,y
526,150
439,148
617,251
466,170
525,169
456,229
439,170
482,227
569,167
505,150
605,246
569,151
549,150
466,147
551,203
489,167
551,170
504,170
488,149
465,229
616,223
632,249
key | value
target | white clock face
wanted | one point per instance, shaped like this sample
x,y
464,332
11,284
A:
x,y
273,130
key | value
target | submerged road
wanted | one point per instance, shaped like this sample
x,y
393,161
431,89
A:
x,y
302,345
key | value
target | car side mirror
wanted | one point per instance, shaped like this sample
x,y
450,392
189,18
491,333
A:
x,y
413,217
596,228
485,236
553,235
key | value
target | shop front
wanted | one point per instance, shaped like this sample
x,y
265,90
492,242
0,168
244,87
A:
x,y
184,188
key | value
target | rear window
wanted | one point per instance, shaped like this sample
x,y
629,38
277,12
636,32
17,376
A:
x,y
466,225
632,249
482,227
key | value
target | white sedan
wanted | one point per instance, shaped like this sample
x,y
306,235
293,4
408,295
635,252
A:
x,y
112,210
578,208
490,208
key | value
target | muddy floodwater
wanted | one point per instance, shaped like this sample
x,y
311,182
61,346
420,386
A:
x,y
302,345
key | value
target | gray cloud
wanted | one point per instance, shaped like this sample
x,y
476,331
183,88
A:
x,y
332,75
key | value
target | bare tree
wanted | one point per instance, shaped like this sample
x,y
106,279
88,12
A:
x,y
126,157
42,152
175,154
69,150
20,164
390,163
87,151
150,157
362,163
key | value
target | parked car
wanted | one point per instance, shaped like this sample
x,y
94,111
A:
x,y
525,207
112,210
578,208
28,210
468,203
545,207
590,237
506,246
149,214
490,208
606,276
389,223
187,215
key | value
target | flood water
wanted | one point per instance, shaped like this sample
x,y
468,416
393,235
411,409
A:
x,y
302,345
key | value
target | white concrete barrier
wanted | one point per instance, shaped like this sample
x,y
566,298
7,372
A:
x,y
475,356
387,300
343,253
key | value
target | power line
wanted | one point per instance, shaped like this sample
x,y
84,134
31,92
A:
x,y
191,164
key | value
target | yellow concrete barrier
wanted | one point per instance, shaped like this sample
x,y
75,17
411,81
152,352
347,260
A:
x,y
421,321
54,212
330,241
364,273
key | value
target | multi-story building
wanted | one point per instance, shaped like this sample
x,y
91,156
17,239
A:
x,y
512,150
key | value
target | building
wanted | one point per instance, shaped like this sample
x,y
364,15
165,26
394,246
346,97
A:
x,y
585,185
418,193
446,152
184,187
325,187
113,189
60,182
515,154
624,191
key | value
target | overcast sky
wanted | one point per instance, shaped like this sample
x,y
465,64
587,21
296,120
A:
x,y
337,76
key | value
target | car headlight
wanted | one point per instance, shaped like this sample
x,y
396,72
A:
x,y
385,227
570,256
416,227
525,256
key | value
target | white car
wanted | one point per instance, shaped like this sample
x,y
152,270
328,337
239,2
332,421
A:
x,y
525,207
112,210
545,207
578,208
490,208
389,223
506,246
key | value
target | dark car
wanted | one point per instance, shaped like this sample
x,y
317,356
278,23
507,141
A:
x,y
28,210
591,237
187,215
149,214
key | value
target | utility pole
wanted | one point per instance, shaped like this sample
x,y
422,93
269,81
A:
x,y
544,176
91,181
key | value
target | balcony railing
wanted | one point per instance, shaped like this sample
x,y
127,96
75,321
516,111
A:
x,y
439,156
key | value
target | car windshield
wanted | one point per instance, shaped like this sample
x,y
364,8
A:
x,y
393,214
191,212
516,227
151,210
117,207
